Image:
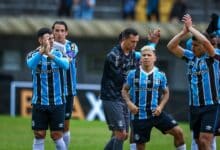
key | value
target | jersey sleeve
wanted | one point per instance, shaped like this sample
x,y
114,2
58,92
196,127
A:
x,y
129,80
137,55
164,84
73,51
187,54
60,59
33,58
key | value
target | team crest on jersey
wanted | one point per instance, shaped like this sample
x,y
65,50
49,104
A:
x,y
157,81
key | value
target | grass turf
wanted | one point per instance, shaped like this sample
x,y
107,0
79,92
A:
x,y
16,134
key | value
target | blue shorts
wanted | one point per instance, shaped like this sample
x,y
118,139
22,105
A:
x,y
117,115
203,119
48,116
142,128
69,107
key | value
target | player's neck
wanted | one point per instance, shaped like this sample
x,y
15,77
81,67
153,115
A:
x,y
147,69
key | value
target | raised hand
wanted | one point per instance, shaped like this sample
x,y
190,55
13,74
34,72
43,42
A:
x,y
154,35
187,19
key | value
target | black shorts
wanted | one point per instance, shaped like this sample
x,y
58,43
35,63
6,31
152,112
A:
x,y
69,107
203,119
117,115
142,128
48,116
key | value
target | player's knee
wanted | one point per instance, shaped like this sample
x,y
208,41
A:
x,y
205,139
121,136
55,135
40,134
178,135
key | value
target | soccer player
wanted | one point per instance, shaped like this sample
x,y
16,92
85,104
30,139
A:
x,y
142,95
47,67
203,77
118,62
213,39
60,31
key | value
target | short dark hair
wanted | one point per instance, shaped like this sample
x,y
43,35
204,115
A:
x,y
43,31
61,23
127,32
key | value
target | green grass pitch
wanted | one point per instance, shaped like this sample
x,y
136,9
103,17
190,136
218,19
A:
x,y
16,134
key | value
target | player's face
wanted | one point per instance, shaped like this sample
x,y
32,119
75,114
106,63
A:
x,y
148,58
47,39
60,33
44,39
130,43
198,48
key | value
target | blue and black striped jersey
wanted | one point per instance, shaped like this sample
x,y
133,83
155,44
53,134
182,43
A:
x,y
145,90
47,76
204,79
71,51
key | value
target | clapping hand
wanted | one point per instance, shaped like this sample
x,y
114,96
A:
x,y
187,19
154,35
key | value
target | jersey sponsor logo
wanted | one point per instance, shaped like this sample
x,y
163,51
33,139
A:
x,y
198,72
46,71
146,89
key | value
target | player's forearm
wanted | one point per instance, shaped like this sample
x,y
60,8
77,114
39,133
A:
x,y
33,60
61,62
125,96
164,100
199,36
174,42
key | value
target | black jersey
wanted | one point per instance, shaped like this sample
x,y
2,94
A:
x,y
116,68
